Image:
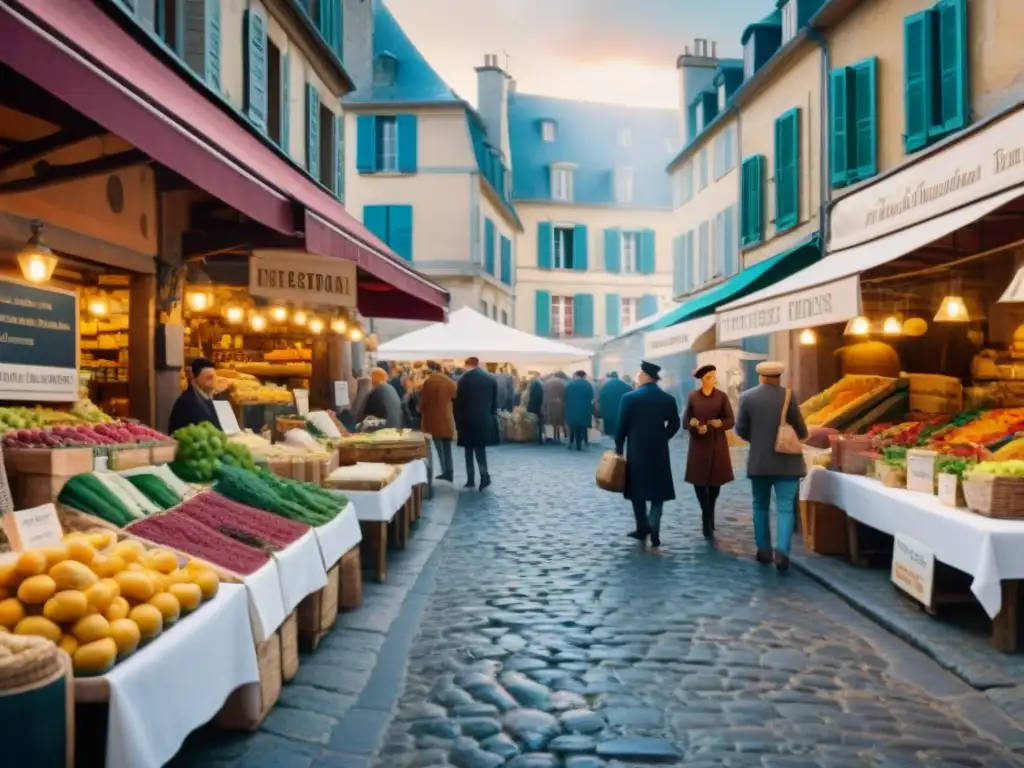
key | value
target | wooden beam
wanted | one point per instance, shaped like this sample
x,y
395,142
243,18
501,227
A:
x,y
141,348
39,148
54,175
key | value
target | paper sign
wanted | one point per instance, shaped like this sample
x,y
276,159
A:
x,y
948,486
341,394
913,568
921,471
301,401
226,417
33,528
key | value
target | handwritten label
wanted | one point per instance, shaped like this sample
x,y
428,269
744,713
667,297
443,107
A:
x,y
948,487
33,528
226,417
913,568
341,394
301,397
921,471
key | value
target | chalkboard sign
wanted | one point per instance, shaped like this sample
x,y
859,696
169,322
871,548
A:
x,y
38,343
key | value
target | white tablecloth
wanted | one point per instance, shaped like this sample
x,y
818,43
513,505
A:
x,y
180,681
266,601
415,472
989,550
381,506
301,569
339,536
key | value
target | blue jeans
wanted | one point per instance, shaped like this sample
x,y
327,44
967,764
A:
x,y
785,500
649,522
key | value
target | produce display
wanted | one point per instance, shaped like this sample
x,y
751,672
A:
x,y
989,427
96,435
847,397
99,599
364,472
184,534
1013,450
1008,468
250,526
13,418
384,435
155,489
202,449
299,502
293,446
110,497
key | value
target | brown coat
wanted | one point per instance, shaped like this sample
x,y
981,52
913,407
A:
x,y
436,396
708,461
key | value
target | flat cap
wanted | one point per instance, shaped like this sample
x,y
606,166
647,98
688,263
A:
x,y
770,368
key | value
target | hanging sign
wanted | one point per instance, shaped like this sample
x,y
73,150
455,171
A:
x,y
33,528
301,401
913,568
226,417
300,277
38,343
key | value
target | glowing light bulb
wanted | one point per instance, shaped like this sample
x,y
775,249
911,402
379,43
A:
x,y
36,270
338,325
299,318
808,338
859,326
98,307
892,326
280,314
258,322
234,314
316,325
355,335
198,301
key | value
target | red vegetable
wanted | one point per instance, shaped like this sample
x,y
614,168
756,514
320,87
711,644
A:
x,y
192,537
221,513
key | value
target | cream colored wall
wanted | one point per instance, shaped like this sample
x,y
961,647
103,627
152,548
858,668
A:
x,y
502,225
798,84
876,29
596,281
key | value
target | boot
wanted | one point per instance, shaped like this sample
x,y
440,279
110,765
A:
x,y
707,526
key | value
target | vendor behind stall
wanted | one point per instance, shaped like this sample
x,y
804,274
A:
x,y
195,404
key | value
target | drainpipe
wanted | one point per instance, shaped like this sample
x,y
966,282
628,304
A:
x,y
824,158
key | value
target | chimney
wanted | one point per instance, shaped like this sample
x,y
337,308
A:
x,y
696,71
357,17
493,89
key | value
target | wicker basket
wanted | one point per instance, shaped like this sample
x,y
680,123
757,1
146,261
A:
x,y
382,452
318,611
850,453
891,476
995,496
521,431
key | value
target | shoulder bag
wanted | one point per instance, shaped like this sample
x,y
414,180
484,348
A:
x,y
786,439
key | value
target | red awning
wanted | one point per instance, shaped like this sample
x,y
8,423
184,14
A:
x,y
77,53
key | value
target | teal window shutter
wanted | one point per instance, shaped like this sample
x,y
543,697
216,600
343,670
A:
x,y
506,260
489,246
256,69
647,260
400,230
375,219
312,131
583,314
542,313
677,265
752,201
544,243
366,144
212,63
839,127
612,314
407,143
953,86
648,306
787,170
863,157
704,245
729,231
579,248
286,102
613,250
918,68
339,156
691,277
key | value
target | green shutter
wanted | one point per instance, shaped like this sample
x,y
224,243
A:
x,y
953,85
648,306
400,230
339,156
366,144
612,314
839,128
583,314
542,313
752,201
312,131
646,255
256,69
286,102
613,250
506,260
918,53
545,241
489,247
787,170
407,143
579,248
145,12
864,121
211,65
375,219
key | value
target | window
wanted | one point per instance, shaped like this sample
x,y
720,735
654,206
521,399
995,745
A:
x,y
327,147
393,225
787,170
725,151
630,252
561,315
752,201
628,312
494,311
702,181
326,15
625,137
564,247
723,99
682,266
387,144
169,25
489,245
198,42
276,90
624,185
561,184
748,58
853,123
704,253
936,88
504,317
506,260
483,308
385,69
788,21
687,181
548,131
698,116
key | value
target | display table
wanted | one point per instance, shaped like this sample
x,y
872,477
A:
x,y
339,536
301,570
987,549
266,601
417,473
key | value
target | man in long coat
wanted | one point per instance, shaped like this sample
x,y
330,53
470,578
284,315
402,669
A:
x,y
476,418
579,409
535,404
554,404
438,420
647,420
608,401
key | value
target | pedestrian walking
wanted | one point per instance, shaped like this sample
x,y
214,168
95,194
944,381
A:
x,y
579,409
763,411
707,417
476,418
554,404
438,417
608,402
535,404
647,420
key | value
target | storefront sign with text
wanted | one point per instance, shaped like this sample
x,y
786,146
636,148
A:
x,y
830,303
676,339
38,343
300,277
913,569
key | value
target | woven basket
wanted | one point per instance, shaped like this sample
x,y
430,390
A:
x,y
993,496
521,431
6,502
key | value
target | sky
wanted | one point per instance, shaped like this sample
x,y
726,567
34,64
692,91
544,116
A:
x,y
619,51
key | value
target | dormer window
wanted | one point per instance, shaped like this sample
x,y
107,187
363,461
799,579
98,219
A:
x,y
625,137
561,182
548,130
748,58
385,67
788,21
624,185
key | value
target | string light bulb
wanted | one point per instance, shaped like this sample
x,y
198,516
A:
x,y
338,325
280,314
355,335
858,326
892,326
808,338
98,307
234,314
316,325
299,318
258,322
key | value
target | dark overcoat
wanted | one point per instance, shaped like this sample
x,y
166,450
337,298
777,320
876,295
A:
x,y
707,460
191,408
535,398
608,402
384,403
648,419
476,409
579,403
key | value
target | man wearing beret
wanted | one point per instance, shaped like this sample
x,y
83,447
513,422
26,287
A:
x,y
758,421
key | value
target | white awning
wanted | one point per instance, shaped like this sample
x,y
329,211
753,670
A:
x,y
829,290
699,332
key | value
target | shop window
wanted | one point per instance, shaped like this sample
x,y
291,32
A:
x,y
787,170
275,94
853,123
393,225
752,201
936,85
328,144
386,143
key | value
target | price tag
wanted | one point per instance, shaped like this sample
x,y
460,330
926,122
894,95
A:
x,y
341,394
226,417
33,528
921,471
301,401
913,568
948,486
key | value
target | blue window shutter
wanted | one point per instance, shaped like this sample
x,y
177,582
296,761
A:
x,y
375,219
918,54
752,201
312,131
704,244
647,256
612,314
687,250
954,82
506,260
677,265
339,156
400,230
839,128
211,65
366,149
864,121
583,314
407,143
613,251
542,313
544,245
648,305
787,170
256,69
286,102
689,259
731,252
579,247
489,247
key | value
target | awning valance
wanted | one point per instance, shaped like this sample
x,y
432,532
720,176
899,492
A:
x,y
697,334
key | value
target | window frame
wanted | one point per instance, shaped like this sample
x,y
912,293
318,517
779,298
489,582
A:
x,y
627,266
562,312
789,21
787,176
748,58
628,318
561,192
624,185
563,248
386,143
548,131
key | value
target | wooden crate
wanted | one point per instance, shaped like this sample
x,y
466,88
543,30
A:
x,y
48,461
350,580
247,707
163,453
32,490
289,647
318,612
129,458
824,528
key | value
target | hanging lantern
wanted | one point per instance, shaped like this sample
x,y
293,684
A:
x,y
808,338
316,325
299,318
35,259
858,326
953,309
234,314
198,300
338,325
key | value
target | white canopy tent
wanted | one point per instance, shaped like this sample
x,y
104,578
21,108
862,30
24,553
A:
x,y
469,333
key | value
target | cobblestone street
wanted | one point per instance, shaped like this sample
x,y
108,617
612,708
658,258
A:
x,y
548,638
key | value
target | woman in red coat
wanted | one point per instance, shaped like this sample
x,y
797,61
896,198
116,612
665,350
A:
x,y
707,416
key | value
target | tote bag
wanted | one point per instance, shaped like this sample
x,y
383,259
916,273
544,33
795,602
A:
x,y
786,439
